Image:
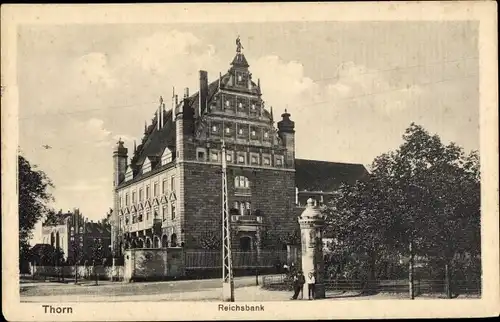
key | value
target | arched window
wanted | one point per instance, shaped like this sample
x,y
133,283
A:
x,y
164,241
241,182
173,240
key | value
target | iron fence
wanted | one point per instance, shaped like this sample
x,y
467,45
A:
x,y
421,287
213,259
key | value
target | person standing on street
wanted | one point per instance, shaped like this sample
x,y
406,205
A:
x,y
311,283
302,281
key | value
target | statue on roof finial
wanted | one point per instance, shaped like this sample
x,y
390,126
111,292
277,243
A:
x,y
239,47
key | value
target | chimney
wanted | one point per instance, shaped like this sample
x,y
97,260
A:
x,y
173,104
186,92
202,106
159,117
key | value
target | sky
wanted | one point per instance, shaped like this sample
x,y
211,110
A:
x,y
352,88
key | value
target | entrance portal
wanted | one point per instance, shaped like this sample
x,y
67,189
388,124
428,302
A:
x,y
245,244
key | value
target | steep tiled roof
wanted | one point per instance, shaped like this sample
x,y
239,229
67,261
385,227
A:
x,y
97,228
312,175
157,140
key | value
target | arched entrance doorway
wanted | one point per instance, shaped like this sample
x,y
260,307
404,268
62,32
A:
x,y
173,240
164,241
245,243
156,242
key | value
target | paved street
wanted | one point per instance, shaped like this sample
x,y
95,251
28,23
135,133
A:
x,y
192,290
108,289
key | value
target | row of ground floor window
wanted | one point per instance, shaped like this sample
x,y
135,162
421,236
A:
x,y
246,243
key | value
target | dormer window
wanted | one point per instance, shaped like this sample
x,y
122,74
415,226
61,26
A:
x,y
266,134
240,131
227,103
253,133
240,78
214,128
253,106
240,105
228,130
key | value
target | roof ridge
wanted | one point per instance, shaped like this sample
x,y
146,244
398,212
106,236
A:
x,y
330,162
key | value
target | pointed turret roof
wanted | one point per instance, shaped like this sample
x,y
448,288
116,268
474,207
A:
x,y
240,61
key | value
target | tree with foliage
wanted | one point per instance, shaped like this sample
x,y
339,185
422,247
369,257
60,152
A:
x,y
33,202
422,199
97,256
211,240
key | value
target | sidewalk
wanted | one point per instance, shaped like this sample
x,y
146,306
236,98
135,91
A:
x,y
242,294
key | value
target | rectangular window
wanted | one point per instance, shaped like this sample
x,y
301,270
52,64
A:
x,y
133,198
241,158
120,203
201,156
147,192
267,161
172,210
279,162
164,212
214,156
255,159
155,189
164,186
141,195
172,183
229,157
126,200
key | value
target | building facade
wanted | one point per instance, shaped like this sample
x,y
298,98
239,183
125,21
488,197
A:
x,y
170,193
76,236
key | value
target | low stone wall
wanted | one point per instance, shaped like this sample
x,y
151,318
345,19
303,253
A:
x,y
153,264
103,272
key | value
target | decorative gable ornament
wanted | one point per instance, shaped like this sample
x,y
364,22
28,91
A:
x,y
127,211
164,200
147,204
134,208
172,197
141,207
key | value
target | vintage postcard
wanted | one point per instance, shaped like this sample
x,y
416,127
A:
x,y
249,161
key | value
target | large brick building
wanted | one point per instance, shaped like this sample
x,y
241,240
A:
x,y
75,235
170,193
